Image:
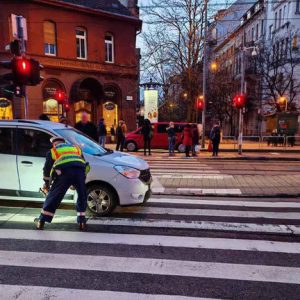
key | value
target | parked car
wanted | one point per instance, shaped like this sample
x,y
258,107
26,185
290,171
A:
x,y
134,140
115,178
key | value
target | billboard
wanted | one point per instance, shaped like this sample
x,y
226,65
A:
x,y
151,105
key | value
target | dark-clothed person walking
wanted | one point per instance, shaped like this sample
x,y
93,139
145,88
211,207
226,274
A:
x,y
195,138
112,133
120,134
102,133
215,136
147,133
65,166
187,139
171,138
87,127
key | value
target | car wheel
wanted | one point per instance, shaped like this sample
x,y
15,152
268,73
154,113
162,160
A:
x,y
131,146
181,148
101,200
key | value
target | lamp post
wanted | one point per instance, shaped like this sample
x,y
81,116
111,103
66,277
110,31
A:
x,y
243,92
284,100
204,74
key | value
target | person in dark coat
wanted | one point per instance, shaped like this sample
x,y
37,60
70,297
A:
x,y
147,133
195,134
187,139
102,132
215,136
171,138
120,135
87,127
44,117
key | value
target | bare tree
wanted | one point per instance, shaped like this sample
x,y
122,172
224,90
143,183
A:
x,y
277,65
174,45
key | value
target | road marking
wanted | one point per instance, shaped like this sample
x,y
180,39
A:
x,y
192,176
151,266
208,212
184,201
152,240
198,171
199,225
210,191
37,292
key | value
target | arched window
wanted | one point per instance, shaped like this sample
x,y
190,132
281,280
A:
x,y
109,48
50,38
81,43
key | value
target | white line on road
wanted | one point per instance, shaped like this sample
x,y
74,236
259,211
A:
x,y
152,240
37,292
208,212
210,191
151,266
183,201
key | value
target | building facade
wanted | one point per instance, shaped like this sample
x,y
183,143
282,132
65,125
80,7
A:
x,y
88,50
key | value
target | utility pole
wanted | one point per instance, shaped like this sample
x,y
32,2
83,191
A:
x,y
204,74
241,116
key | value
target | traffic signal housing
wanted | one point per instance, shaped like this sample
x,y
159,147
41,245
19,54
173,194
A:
x,y
200,103
60,97
239,100
67,106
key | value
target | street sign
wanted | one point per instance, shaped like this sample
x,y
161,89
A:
x,y
19,27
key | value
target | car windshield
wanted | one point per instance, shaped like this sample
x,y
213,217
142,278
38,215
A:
x,y
86,144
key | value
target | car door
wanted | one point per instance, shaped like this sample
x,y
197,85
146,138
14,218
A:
x,y
32,147
161,136
9,180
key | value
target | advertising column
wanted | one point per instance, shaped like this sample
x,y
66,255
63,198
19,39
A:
x,y
151,105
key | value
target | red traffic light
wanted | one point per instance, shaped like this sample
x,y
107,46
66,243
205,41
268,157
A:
x,y
200,103
23,65
67,106
60,96
239,100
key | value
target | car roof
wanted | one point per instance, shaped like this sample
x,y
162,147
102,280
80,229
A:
x,y
34,123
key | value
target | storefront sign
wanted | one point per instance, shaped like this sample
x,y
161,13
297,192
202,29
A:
x,y
110,94
109,106
129,98
151,105
4,103
50,89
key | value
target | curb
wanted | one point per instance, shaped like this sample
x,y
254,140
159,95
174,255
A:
x,y
245,158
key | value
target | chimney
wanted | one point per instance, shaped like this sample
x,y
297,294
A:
x,y
132,6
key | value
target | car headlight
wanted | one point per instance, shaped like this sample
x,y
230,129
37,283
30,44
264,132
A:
x,y
128,172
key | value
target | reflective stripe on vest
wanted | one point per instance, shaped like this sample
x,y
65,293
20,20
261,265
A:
x,y
66,153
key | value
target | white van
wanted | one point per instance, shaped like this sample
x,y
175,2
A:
x,y
115,179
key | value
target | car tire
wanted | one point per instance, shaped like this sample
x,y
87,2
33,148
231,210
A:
x,y
181,148
101,200
131,146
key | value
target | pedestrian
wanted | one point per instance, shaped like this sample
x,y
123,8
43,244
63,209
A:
x,y
195,138
147,133
187,139
112,133
215,136
87,127
102,132
171,138
44,117
65,166
120,136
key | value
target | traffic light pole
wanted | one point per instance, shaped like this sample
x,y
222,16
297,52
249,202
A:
x,y
241,116
204,75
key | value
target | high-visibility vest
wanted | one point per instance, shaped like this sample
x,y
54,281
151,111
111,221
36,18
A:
x,y
66,154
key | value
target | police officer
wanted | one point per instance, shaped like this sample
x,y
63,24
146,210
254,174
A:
x,y
65,166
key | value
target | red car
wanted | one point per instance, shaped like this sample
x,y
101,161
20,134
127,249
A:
x,y
135,141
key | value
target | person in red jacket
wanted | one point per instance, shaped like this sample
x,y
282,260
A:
x,y
187,139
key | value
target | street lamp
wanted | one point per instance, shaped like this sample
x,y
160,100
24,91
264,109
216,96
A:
x,y
214,66
254,53
284,100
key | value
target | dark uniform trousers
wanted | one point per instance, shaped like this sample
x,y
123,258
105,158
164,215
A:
x,y
71,176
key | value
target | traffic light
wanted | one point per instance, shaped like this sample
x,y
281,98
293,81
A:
x,y
67,106
200,103
21,71
60,97
35,76
239,101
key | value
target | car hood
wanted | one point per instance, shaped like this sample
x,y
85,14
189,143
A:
x,y
122,159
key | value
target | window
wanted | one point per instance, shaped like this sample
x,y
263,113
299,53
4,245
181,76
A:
x,y
50,38
279,17
262,28
297,6
162,128
276,19
284,15
256,31
6,141
33,142
109,48
81,44
270,32
252,34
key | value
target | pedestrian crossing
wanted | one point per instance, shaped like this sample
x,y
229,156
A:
x,y
170,248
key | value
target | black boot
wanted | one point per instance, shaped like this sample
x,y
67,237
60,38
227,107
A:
x,y
82,226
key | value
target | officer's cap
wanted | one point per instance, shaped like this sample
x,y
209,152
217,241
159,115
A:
x,y
57,139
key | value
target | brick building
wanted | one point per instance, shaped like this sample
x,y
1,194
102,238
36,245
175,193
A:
x,y
88,50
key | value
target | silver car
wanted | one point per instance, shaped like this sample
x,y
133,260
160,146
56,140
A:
x,y
115,179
